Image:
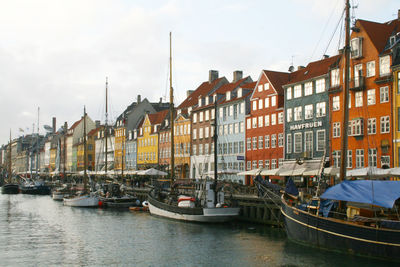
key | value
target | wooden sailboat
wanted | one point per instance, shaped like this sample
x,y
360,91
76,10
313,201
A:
x,y
86,198
9,187
191,208
376,236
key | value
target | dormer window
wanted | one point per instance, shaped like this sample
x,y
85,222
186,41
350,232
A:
x,y
207,99
392,40
239,92
228,95
356,47
199,101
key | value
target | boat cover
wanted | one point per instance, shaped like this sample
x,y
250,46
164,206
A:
x,y
380,193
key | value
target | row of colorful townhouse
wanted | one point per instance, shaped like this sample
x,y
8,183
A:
x,y
282,116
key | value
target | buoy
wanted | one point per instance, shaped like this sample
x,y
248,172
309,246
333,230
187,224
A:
x,y
100,203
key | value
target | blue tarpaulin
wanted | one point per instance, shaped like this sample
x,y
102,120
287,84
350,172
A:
x,y
291,188
380,193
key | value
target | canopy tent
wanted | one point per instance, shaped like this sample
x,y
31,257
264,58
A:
x,y
300,168
270,172
292,172
152,171
250,172
332,171
380,193
368,171
394,171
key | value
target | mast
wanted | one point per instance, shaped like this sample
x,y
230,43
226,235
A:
x,y
215,151
171,101
106,127
343,160
84,151
65,148
37,146
9,161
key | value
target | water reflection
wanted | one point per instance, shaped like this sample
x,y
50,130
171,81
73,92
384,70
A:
x,y
35,230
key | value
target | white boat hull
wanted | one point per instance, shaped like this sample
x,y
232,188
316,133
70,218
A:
x,y
82,201
59,196
210,215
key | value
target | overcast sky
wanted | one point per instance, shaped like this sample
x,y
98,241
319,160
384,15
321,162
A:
x,y
56,54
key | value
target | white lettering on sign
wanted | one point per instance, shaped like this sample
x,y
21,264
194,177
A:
x,y
306,125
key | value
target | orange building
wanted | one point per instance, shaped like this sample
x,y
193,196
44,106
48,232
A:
x,y
370,114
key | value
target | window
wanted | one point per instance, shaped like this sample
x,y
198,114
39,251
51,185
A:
x,y
371,97
267,141
201,116
336,103
254,122
308,112
201,149
321,140
200,133
289,93
206,132
254,105
385,124
260,121
194,149
248,123
371,126
266,102
384,93
248,143
266,120
260,164
308,88
320,109
349,159
241,147
288,143
358,73
335,78
297,113
241,127
248,163
384,65
273,164
207,115
266,86
254,143
359,158
372,157
359,99
260,88
267,164
194,134
297,142
273,119
308,141
336,158
235,147
356,127
254,164
260,104
273,101
385,161
320,86
280,117
280,140
289,115
297,91
356,47
236,128
260,142
336,129
195,117
273,140
230,128
370,68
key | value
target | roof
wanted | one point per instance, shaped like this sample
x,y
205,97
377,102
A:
x,y
313,69
249,85
224,101
202,90
379,33
277,79
75,124
157,118
230,86
94,131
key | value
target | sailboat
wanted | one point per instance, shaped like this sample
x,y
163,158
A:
x,y
9,187
86,198
315,224
204,207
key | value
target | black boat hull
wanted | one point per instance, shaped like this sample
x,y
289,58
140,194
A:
x,y
35,190
340,235
10,189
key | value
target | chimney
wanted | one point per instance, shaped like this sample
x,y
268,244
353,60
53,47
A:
x,y
139,98
237,75
54,124
212,75
65,127
189,92
300,67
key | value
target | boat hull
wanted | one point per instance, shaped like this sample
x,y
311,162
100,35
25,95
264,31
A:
x,y
10,189
204,215
35,190
332,234
82,201
58,196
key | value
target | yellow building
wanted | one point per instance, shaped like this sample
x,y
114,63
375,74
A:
x,y
147,141
119,149
182,145
396,112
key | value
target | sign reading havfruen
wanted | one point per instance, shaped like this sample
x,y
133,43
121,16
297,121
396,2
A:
x,y
306,125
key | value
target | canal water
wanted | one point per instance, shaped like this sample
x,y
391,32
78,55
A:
x,y
37,231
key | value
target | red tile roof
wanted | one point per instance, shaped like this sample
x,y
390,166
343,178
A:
x,y
277,79
229,86
75,124
379,33
157,118
313,69
249,85
94,131
202,90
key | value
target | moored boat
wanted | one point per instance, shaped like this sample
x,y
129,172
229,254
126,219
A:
x,y
85,200
10,189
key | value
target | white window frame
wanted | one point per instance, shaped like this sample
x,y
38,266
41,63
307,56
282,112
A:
x,y
384,94
320,86
298,142
319,148
371,97
308,88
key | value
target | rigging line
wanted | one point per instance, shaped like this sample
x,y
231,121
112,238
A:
x,y
334,32
341,35
323,31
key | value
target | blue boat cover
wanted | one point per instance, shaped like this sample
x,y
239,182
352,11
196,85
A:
x,y
291,188
379,193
